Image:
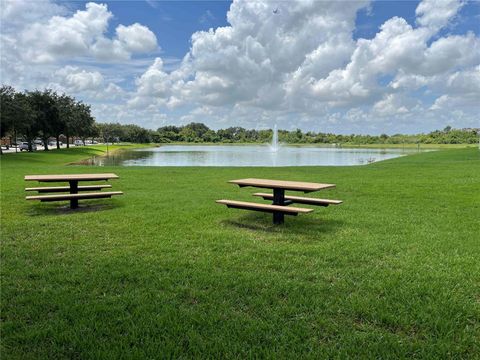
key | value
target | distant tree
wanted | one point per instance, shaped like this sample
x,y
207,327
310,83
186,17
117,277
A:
x,y
194,132
67,108
111,132
8,109
82,123
136,134
45,113
168,133
25,120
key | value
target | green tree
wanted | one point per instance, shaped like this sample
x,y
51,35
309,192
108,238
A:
x,y
67,113
111,132
8,109
82,123
25,121
45,113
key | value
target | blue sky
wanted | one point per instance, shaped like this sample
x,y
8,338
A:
x,y
174,22
359,66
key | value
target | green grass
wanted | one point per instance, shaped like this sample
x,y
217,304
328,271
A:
x,y
163,271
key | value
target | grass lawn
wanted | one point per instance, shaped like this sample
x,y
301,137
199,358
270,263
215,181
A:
x,y
163,271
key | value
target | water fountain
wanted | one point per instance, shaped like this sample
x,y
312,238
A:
x,y
274,146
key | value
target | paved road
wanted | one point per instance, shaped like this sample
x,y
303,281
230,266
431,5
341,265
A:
x,y
39,148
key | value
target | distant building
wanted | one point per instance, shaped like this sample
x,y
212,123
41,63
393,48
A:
x,y
477,130
5,141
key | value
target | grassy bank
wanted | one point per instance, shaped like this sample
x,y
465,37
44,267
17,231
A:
x,y
163,271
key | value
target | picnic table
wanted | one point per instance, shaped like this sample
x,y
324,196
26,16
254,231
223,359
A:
x,y
75,192
280,201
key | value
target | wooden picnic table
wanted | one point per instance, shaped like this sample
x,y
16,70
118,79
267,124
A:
x,y
70,177
282,185
73,188
278,197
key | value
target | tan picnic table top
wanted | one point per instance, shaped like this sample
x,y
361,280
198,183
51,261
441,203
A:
x,y
280,184
71,177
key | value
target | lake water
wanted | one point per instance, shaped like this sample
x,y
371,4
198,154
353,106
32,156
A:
x,y
246,155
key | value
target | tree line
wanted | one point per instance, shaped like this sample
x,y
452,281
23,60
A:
x,y
201,133
43,114
198,132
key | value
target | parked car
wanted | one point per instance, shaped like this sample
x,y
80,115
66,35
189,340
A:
x,y
24,146
78,143
54,143
38,142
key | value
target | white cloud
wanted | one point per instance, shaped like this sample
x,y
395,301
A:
x,y
393,104
273,61
435,14
250,61
449,53
460,89
83,34
15,14
154,81
65,36
74,79
301,62
137,38
106,50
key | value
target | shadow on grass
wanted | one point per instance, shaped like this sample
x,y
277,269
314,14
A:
x,y
298,225
42,210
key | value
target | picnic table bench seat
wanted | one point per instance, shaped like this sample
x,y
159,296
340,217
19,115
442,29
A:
x,y
301,200
287,210
60,197
44,189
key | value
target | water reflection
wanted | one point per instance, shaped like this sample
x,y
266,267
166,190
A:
x,y
249,155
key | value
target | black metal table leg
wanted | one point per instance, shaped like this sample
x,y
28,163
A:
x,y
278,199
73,190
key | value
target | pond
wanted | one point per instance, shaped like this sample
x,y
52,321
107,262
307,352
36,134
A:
x,y
246,155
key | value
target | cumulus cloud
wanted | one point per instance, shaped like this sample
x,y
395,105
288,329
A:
x,y
250,61
137,38
16,13
65,36
83,34
435,14
393,105
74,79
302,59
40,38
